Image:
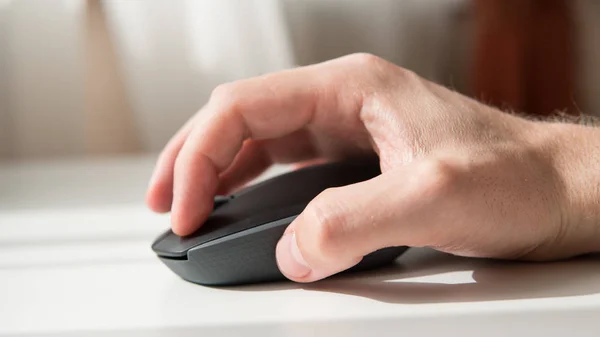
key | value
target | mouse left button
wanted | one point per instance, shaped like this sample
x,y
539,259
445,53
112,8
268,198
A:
x,y
170,245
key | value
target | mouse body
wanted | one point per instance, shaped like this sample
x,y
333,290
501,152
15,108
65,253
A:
x,y
236,244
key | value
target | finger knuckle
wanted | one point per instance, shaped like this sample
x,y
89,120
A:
x,y
439,178
409,77
224,93
379,71
227,99
365,60
326,226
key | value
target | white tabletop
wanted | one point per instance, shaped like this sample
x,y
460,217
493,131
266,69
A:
x,y
75,260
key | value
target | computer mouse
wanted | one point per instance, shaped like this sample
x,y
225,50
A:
x,y
236,244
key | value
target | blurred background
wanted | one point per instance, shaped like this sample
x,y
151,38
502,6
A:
x,y
91,90
91,77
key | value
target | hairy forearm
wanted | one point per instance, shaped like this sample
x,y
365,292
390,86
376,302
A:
x,y
583,120
573,146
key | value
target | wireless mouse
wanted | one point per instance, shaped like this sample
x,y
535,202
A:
x,y
236,244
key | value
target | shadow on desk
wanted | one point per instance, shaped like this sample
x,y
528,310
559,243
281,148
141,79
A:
x,y
493,280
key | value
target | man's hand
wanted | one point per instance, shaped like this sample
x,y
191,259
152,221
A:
x,y
458,176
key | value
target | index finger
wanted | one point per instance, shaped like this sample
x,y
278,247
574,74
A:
x,y
270,107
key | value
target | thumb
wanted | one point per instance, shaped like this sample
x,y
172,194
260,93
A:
x,y
340,226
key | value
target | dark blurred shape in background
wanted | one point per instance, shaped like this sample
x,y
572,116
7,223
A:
x,y
525,55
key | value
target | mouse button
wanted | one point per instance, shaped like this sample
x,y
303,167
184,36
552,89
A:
x,y
252,220
298,187
168,245
218,225
266,198
158,244
172,245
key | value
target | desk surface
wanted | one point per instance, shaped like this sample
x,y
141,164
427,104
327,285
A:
x,y
75,260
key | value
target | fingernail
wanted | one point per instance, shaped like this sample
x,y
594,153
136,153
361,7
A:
x,y
290,260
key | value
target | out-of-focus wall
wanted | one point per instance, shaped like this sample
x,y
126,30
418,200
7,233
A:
x,y
428,37
172,53
41,77
5,136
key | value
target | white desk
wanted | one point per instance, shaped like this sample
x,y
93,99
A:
x,y
75,260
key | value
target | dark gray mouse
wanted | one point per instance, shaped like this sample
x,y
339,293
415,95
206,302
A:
x,y
236,244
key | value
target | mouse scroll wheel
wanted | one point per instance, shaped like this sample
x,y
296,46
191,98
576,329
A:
x,y
221,200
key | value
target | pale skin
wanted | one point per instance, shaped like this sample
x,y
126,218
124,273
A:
x,y
458,176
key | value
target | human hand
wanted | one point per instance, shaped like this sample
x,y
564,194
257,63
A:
x,y
457,175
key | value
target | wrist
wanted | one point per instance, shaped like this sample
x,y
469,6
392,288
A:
x,y
573,151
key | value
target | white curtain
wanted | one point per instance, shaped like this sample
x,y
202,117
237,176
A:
x,y
58,87
157,61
